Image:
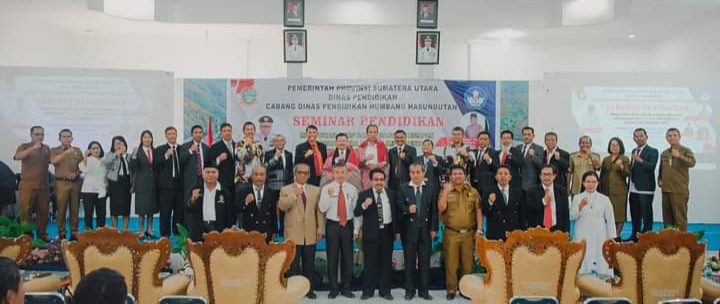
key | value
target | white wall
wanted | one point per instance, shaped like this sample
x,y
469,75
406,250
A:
x,y
695,50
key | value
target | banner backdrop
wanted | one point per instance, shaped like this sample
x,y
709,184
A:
x,y
425,109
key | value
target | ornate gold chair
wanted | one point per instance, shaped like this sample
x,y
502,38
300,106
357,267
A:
x,y
236,265
660,266
536,262
139,263
18,249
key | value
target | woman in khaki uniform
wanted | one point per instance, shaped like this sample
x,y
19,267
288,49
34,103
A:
x,y
614,171
581,161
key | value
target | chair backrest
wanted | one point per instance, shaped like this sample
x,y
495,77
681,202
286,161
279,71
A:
x,y
643,266
44,298
182,300
140,263
16,249
535,262
237,250
533,300
607,301
681,301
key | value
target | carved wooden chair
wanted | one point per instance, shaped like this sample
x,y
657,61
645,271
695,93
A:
x,y
18,249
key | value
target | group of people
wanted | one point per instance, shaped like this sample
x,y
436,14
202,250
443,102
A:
x,y
378,192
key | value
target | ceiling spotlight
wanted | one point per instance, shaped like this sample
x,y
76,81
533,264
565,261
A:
x,y
584,12
631,36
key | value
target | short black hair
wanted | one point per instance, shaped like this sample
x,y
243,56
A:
x,y
503,167
456,167
340,164
170,128
9,276
620,143
672,129
532,130
63,131
95,142
640,130
311,127
371,125
32,129
551,134
552,168
248,123
377,171
192,129
458,129
103,285
428,140
507,132
341,134
119,138
400,131
585,136
224,125
483,133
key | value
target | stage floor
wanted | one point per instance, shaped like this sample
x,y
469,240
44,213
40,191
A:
x,y
712,232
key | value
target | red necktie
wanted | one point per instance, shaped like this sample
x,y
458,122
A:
x,y
318,158
341,210
547,218
149,156
504,158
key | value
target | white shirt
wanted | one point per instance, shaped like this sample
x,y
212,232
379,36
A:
x,y
282,158
147,151
506,192
633,189
371,149
295,53
127,166
259,195
416,187
94,177
328,204
174,156
208,203
552,205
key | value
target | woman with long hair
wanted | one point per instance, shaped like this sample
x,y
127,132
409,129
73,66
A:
x,y
144,164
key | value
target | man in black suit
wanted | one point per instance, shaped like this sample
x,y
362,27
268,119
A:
x,y
434,164
483,163
377,208
257,204
279,164
502,206
546,205
222,155
401,156
556,157
170,184
532,159
313,153
207,203
510,157
194,157
643,161
418,215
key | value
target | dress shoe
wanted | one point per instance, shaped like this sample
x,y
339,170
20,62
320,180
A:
x,y
332,295
450,296
365,296
311,295
388,297
409,296
348,294
426,296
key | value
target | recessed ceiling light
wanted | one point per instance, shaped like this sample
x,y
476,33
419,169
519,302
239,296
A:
x,y
631,36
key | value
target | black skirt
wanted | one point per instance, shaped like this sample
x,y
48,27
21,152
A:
x,y
120,196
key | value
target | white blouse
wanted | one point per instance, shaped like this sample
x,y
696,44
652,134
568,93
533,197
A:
x,y
94,177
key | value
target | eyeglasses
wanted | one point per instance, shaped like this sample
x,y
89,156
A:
x,y
95,148
302,172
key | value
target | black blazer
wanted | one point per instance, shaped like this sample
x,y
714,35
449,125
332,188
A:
x,y
187,163
643,174
8,184
514,162
370,229
263,220
300,150
425,219
433,173
226,167
503,217
561,165
221,207
273,165
402,165
482,174
534,208
165,168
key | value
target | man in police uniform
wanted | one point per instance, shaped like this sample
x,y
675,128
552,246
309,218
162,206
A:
x,y
427,53
266,136
460,209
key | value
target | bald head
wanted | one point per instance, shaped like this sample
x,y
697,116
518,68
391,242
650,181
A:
x,y
259,175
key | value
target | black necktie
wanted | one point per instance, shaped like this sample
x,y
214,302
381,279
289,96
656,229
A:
x,y
123,167
176,168
258,199
380,210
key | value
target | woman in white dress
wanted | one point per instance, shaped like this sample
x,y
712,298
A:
x,y
594,223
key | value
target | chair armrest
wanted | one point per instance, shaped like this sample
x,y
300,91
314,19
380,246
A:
x,y
297,287
592,286
473,287
711,290
175,285
49,283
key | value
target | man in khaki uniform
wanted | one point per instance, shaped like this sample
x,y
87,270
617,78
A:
x,y
34,198
460,208
66,159
674,178
303,224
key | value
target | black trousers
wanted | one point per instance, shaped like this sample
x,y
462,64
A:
x,y
641,212
339,250
417,252
377,258
171,207
231,216
93,203
304,263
